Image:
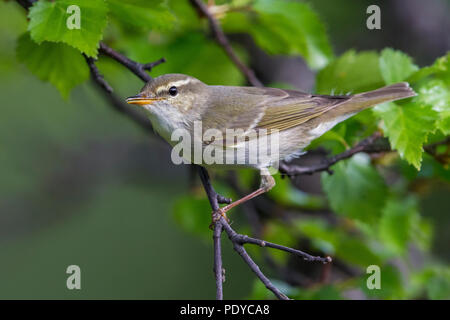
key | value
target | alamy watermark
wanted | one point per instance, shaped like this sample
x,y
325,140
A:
x,y
74,20
374,20
374,280
74,280
231,147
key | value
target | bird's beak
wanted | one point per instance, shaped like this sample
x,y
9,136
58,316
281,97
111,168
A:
x,y
141,100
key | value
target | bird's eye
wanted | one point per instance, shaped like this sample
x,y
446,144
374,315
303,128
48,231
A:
x,y
173,91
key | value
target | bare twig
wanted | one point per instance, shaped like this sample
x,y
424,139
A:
x,y
368,145
135,67
114,101
223,41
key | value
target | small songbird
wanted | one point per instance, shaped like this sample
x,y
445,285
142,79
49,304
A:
x,y
178,101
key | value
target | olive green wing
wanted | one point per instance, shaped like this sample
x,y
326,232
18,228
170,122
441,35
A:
x,y
237,107
248,108
296,108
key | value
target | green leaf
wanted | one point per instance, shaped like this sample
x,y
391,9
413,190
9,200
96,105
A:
x,y
395,66
396,223
352,72
151,15
436,94
407,127
57,63
49,22
439,69
355,189
285,27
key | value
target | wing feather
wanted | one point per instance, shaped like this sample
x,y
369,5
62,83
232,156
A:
x,y
271,108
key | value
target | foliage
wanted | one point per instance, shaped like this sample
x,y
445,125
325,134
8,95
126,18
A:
x,y
377,221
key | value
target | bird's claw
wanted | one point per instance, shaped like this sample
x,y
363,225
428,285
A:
x,y
216,216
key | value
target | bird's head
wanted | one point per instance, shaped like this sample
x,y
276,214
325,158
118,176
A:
x,y
171,90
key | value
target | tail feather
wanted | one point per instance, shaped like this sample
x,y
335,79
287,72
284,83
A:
x,y
361,101
392,92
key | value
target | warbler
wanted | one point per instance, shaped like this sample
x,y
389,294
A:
x,y
181,102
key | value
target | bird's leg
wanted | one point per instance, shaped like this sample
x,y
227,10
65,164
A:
x,y
267,183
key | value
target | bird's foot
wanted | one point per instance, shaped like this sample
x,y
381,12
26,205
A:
x,y
217,215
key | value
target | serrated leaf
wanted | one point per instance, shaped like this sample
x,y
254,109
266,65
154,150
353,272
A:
x,y
436,94
439,69
407,127
355,189
350,73
395,66
151,15
57,63
48,22
284,27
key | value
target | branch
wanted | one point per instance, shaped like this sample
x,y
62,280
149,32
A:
x,y
114,101
223,41
238,241
368,145
135,67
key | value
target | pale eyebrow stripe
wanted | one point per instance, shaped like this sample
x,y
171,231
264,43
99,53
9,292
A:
x,y
178,83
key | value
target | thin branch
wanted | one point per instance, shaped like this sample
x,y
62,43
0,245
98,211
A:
x,y
213,198
135,67
223,41
26,4
368,145
218,269
253,266
114,101
238,241
243,239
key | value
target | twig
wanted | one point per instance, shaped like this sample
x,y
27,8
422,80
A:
x,y
114,101
238,240
223,41
368,145
135,67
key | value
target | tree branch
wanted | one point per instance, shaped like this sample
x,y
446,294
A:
x,y
135,67
368,145
223,41
114,101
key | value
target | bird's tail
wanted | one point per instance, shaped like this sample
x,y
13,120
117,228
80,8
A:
x,y
361,101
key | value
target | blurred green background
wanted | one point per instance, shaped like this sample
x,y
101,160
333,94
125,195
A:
x,y
80,184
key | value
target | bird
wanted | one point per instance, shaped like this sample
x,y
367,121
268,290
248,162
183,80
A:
x,y
181,103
